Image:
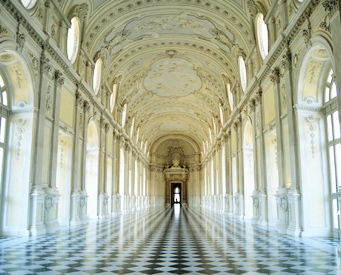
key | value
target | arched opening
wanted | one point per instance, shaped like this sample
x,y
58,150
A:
x,y
320,146
91,174
63,180
248,169
272,175
16,125
121,183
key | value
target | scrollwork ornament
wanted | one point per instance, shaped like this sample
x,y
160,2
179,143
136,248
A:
x,y
20,41
256,202
82,201
49,202
284,205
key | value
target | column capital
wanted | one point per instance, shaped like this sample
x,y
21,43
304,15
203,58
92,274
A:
x,y
275,75
331,6
58,77
286,63
87,107
79,99
252,106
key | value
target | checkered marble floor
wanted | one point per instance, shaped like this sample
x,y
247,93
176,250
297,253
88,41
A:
x,y
167,241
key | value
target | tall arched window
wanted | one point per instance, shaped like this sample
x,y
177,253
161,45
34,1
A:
x,y
113,98
124,114
333,139
221,114
230,95
73,38
3,122
262,36
132,127
242,70
97,76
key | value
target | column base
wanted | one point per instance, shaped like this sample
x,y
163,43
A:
x,y
38,230
296,232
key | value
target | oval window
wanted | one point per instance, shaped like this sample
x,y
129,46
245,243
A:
x,y
73,40
262,36
97,75
242,70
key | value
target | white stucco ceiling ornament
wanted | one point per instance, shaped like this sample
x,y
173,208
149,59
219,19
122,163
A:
x,y
160,24
174,125
169,77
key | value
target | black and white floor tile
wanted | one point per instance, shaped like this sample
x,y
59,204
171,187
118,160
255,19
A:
x,y
168,241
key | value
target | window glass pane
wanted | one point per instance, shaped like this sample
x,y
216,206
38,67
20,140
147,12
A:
x,y
4,98
73,40
1,82
336,125
330,76
327,95
2,130
333,92
335,211
242,70
332,169
330,128
1,161
338,163
97,76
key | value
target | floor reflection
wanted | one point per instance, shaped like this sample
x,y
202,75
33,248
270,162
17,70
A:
x,y
168,240
177,211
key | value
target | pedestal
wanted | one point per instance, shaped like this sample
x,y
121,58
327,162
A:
x,y
75,218
282,211
37,226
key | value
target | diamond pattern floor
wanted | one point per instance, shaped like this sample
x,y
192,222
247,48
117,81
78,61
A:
x,y
168,241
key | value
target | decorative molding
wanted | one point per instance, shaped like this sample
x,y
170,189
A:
x,y
331,6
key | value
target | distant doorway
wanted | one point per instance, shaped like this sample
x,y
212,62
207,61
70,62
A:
x,y
176,193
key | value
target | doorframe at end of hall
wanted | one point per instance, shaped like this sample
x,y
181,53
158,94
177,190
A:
x,y
171,191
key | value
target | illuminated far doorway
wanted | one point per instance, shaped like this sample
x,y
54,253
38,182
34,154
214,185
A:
x,y
176,193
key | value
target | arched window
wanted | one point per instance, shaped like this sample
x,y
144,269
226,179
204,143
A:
x,y
333,139
113,98
3,122
132,127
221,114
124,114
28,4
331,91
97,76
262,36
73,39
3,92
242,70
230,95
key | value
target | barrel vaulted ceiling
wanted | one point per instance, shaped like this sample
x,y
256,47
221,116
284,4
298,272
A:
x,y
170,58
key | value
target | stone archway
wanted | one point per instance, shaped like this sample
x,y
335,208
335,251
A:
x,y
15,187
